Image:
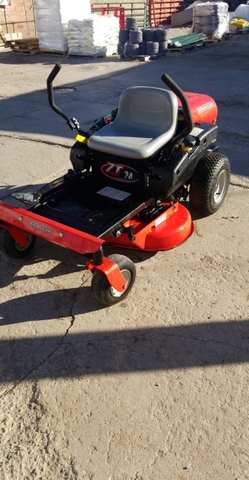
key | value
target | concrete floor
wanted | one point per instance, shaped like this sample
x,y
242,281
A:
x,y
156,387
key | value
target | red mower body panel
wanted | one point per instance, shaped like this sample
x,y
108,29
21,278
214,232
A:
x,y
203,108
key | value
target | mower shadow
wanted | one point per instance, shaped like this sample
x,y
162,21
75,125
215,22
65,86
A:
x,y
125,351
61,262
194,215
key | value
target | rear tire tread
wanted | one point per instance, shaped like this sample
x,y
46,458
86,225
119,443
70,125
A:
x,y
202,181
9,246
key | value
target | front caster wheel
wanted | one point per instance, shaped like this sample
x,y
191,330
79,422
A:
x,y
12,248
209,184
101,288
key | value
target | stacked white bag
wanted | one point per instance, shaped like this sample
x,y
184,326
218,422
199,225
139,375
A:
x,y
93,36
52,33
211,18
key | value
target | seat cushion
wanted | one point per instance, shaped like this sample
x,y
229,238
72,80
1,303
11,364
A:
x,y
145,122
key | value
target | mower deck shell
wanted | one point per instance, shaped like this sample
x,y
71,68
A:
x,y
167,231
171,228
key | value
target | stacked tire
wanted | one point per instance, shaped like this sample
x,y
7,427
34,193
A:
x,y
134,41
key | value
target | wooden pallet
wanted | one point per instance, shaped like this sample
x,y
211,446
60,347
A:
x,y
54,53
241,31
226,36
33,51
28,46
184,48
144,58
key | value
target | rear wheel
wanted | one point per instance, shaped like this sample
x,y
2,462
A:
x,y
101,288
12,248
209,184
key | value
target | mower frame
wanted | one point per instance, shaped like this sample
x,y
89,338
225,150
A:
x,y
103,214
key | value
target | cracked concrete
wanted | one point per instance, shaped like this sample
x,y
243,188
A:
x,y
155,387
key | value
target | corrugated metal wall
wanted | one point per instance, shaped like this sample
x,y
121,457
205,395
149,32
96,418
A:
x,y
161,11
154,12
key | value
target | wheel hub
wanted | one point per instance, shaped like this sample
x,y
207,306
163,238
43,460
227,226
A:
x,y
127,275
220,187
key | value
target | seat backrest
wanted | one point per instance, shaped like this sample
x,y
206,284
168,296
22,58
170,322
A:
x,y
145,123
147,109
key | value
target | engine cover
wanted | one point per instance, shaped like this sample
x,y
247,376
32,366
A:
x,y
203,108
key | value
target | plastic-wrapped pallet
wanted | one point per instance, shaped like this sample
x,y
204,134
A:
x,y
52,33
93,36
242,11
211,18
52,18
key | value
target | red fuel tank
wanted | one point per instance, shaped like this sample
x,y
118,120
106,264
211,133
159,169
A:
x,y
203,107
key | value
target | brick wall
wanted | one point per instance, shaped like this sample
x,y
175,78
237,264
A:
x,y
18,17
